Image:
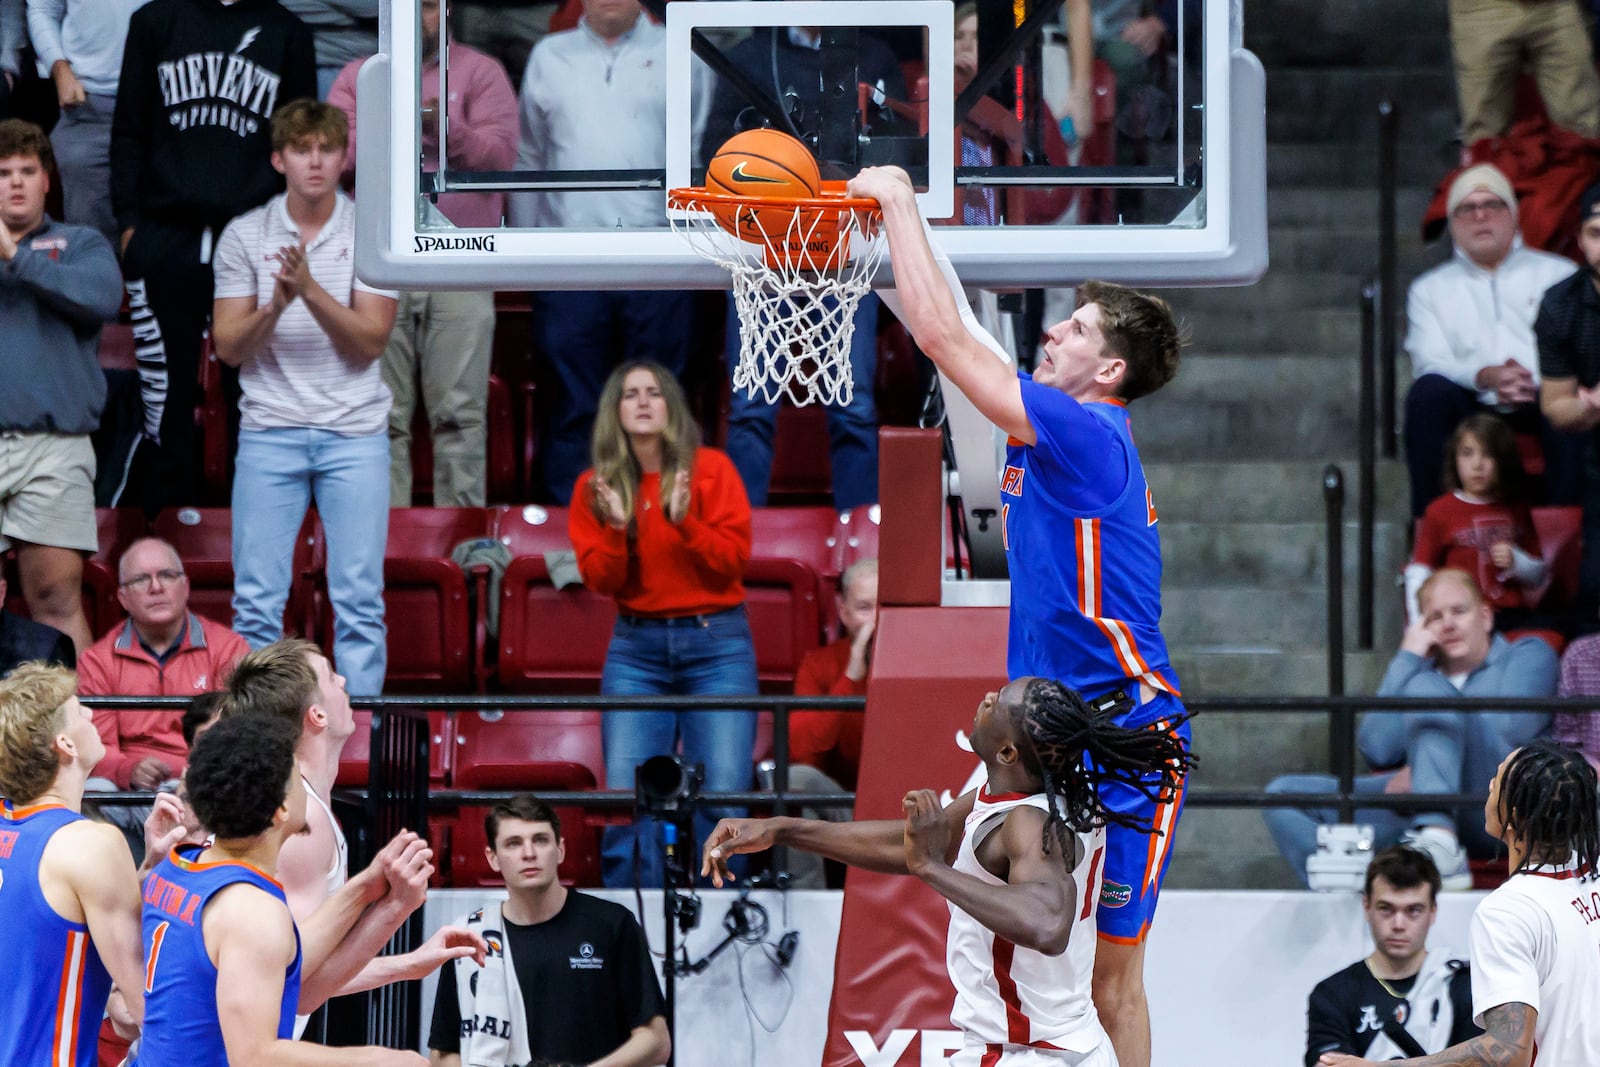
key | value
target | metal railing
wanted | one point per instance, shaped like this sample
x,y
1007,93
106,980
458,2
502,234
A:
x,y
1377,420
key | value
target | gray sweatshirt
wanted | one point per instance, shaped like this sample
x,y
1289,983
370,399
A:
x,y
343,29
54,294
87,34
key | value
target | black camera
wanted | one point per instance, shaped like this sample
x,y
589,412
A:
x,y
667,787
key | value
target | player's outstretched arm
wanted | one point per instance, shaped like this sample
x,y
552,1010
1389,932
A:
x,y
1506,1041
250,937
923,300
1033,909
872,845
97,865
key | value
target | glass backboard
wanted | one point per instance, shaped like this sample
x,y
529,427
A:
x,y
1165,186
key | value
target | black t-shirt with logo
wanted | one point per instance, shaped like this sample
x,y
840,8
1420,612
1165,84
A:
x,y
586,982
1346,1010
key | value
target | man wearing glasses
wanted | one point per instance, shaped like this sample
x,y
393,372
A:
x,y
161,649
1469,332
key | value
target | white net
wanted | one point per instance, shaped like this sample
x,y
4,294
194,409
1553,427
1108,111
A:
x,y
797,280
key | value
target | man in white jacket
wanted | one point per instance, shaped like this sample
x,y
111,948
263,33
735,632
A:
x,y
1470,337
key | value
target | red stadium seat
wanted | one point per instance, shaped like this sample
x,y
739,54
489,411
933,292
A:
x,y
117,528
204,540
551,640
856,537
559,750
791,562
212,415
1561,540
355,760
116,347
469,866
529,750
802,467
428,600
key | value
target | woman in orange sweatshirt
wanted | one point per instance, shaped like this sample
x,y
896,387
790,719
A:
x,y
663,525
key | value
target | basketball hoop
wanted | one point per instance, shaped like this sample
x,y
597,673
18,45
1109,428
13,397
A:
x,y
800,267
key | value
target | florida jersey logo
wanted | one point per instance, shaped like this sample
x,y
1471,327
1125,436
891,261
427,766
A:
x,y
1011,481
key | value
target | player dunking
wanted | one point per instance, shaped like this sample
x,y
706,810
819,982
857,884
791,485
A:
x,y
1080,533
1535,941
68,890
1019,859
223,958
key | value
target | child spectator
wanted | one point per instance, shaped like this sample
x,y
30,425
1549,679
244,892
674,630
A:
x,y
1481,524
663,525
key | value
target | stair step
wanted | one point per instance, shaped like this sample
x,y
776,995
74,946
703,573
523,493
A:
x,y
1263,491
1351,249
1319,163
1327,206
1276,329
1366,20
1286,620
1280,287
1341,104
1207,671
1219,848
1271,554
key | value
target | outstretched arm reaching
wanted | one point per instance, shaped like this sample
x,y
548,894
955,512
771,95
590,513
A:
x,y
927,298
877,845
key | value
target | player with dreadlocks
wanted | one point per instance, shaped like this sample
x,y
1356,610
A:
x,y
1536,940
1019,859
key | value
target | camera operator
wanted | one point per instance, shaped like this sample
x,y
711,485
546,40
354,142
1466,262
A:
x,y
579,987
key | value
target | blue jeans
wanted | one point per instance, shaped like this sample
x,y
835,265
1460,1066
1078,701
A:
x,y
852,430
1447,751
279,473
697,655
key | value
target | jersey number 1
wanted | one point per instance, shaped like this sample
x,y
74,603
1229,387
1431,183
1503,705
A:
x,y
157,936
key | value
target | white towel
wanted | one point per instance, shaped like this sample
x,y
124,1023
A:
x,y
491,1000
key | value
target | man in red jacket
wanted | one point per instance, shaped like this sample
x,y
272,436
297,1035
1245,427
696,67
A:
x,y
161,649
825,746
830,741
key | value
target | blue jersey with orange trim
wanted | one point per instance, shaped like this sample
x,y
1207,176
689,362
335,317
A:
x,y
180,984
1085,556
56,993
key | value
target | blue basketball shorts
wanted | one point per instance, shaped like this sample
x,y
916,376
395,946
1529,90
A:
x,y
1136,862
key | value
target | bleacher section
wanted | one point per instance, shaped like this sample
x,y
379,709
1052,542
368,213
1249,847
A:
x,y
549,639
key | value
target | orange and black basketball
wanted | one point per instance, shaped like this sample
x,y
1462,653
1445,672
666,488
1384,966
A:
x,y
762,163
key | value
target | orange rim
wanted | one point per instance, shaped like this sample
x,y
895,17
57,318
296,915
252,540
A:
x,y
829,201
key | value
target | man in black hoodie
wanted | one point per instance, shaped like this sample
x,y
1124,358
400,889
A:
x,y
191,147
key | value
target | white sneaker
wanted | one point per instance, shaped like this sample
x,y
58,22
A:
x,y
1445,851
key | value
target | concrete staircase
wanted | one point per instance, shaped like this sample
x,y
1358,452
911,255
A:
x,y
1235,447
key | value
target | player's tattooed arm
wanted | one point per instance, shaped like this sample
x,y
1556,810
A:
x,y
1507,1041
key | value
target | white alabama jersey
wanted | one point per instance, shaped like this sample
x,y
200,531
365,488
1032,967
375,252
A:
x,y
1006,994
1536,941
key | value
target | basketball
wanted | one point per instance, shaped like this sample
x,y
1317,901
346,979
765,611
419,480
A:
x,y
758,163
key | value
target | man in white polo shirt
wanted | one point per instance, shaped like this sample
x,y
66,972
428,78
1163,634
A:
x,y
307,336
1536,939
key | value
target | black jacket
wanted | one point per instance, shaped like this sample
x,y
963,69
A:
x,y
22,640
191,139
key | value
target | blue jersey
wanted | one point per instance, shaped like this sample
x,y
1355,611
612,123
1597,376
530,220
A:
x,y
1080,535
56,988
180,981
